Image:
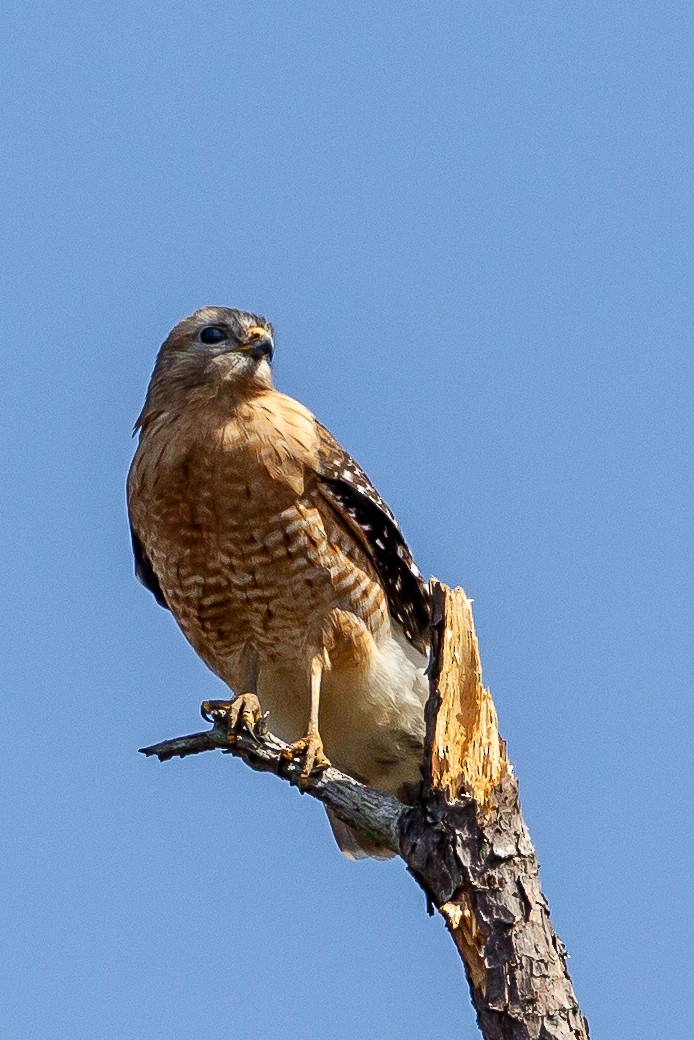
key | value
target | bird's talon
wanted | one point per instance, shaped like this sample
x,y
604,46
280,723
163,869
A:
x,y
212,711
241,715
310,748
247,728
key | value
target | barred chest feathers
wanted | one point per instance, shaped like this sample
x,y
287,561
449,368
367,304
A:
x,y
245,549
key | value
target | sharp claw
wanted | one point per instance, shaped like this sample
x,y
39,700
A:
x,y
308,768
315,760
247,728
239,717
212,710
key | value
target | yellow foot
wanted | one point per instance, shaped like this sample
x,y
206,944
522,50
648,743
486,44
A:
x,y
243,715
310,748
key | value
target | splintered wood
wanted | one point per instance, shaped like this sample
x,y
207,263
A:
x,y
461,923
467,754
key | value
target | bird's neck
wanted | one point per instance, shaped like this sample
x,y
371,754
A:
x,y
214,396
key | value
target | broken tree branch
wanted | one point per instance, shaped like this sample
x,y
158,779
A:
x,y
465,840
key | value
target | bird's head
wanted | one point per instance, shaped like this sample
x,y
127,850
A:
x,y
217,348
221,343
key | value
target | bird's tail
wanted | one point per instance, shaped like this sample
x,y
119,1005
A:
x,y
355,844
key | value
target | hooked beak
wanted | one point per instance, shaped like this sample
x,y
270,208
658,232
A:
x,y
259,344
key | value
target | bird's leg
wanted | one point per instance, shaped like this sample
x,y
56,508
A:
x,y
310,746
243,714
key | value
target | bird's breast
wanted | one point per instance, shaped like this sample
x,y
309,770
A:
x,y
246,552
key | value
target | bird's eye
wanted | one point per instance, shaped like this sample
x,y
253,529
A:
x,y
213,334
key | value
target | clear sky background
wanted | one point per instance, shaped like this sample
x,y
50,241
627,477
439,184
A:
x,y
472,226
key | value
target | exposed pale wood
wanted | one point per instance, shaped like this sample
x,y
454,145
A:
x,y
467,754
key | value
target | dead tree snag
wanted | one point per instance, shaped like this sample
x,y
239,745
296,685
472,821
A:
x,y
464,841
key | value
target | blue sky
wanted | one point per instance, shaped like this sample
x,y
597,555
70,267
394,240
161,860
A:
x,y
472,226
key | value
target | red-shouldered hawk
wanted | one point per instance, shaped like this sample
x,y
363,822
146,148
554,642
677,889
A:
x,y
282,565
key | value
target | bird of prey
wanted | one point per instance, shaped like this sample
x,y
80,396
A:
x,y
282,565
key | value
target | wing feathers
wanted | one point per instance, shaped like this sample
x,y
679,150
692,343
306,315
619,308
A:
x,y
347,488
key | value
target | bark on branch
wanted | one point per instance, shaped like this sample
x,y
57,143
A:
x,y
465,841
373,812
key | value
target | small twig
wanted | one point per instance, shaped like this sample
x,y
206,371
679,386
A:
x,y
180,747
376,814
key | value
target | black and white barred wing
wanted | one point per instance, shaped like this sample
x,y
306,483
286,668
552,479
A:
x,y
349,491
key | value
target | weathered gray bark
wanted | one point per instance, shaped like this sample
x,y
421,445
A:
x,y
464,841
373,812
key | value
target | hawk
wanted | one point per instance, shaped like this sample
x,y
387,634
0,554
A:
x,y
279,560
